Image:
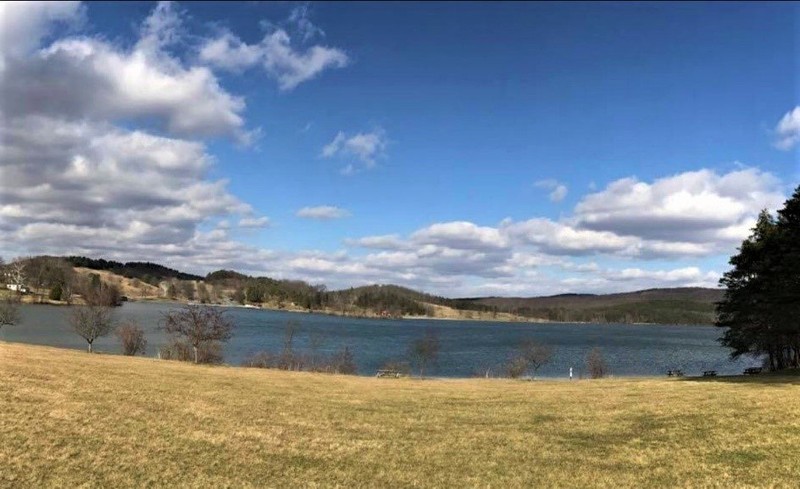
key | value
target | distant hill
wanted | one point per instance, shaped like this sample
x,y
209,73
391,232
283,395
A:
x,y
684,305
688,305
145,271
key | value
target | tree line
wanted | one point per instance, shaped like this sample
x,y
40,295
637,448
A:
x,y
761,305
151,273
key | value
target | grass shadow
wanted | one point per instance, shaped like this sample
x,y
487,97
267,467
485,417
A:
x,y
791,376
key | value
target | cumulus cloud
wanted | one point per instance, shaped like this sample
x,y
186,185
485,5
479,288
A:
x,y
322,213
277,53
557,190
76,176
461,234
23,25
788,130
100,184
87,77
542,256
365,147
693,207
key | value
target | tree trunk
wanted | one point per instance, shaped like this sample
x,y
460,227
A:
x,y
90,347
196,359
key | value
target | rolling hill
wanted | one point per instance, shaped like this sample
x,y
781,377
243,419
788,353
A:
x,y
150,281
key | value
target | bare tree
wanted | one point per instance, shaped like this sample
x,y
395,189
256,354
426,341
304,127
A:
x,y
92,321
16,271
536,354
9,311
315,342
596,364
288,359
199,325
132,338
425,350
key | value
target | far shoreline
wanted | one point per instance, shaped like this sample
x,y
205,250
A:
x,y
516,320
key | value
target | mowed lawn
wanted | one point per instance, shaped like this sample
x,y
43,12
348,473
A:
x,y
68,418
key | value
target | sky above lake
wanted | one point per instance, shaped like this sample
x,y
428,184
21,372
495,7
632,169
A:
x,y
458,148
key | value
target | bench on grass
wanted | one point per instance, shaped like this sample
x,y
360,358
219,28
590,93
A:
x,y
675,373
389,373
710,373
752,370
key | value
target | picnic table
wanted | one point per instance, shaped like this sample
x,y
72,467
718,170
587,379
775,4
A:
x,y
389,373
752,370
710,373
675,372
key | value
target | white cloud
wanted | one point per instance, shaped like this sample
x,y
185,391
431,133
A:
x,y
366,147
277,53
462,235
563,239
557,189
693,207
254,222
322,212
383,242
23,25
80,177
788,130
108,83
228,52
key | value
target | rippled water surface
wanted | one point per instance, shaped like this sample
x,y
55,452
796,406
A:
x,y
466,346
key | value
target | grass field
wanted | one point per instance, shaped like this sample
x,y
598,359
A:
x,y
68,418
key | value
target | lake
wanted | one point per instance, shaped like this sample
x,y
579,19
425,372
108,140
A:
x,y
466,346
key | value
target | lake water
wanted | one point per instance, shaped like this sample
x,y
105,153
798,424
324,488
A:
x,y
466,346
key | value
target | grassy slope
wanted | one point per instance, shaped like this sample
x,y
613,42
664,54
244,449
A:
x,y
70,418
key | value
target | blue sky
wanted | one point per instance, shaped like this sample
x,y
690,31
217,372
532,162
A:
x,y
498,148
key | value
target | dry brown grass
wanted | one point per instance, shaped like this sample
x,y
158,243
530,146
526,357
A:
x,y
134,289
68,418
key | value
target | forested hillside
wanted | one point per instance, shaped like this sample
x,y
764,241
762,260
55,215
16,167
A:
x,y
52,277
673,306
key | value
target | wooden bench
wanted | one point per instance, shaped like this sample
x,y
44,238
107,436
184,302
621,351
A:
x,y
389,373
710,373
752,370
675,373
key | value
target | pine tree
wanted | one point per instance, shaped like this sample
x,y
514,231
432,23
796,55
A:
x,y
761,306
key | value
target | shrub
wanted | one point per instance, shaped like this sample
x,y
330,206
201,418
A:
x,y
596,364
55,293
261,359
9,311
516,367
425,350
403,367
343,362
132,338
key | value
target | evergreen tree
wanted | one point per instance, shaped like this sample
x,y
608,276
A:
x,y
761,306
